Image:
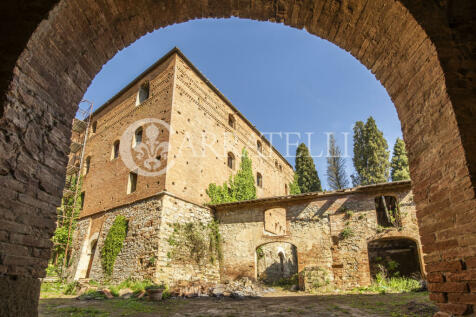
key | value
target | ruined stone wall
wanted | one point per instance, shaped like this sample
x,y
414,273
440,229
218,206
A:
x,y
146,250
243,232
136,259
203,138
168,269
105,185
314,226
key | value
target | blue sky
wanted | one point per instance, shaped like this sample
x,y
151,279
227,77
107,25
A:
x,y
280,78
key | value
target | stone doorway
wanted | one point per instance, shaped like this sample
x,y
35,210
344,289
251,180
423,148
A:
x,y
91,257
276,262
394,257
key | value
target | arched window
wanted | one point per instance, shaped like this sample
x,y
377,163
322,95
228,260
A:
x,y
231,160
281,262
143,93
259,180
115,149
87,165
94,127
231,121
137,137
259,146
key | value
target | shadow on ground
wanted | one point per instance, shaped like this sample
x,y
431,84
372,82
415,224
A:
x,y
291,304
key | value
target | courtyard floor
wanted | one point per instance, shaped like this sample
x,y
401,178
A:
x,y
279,303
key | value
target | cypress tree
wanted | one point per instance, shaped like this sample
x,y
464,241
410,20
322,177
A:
x,y
336,177
399,165
370,154
308,179
294,186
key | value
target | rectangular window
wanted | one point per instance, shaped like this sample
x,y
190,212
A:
x,y
132,183
388,214
83,195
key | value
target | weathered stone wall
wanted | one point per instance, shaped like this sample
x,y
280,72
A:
x,y
146,250
141,245
170,271
314,226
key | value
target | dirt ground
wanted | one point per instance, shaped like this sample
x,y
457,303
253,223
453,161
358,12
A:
x,y
280,303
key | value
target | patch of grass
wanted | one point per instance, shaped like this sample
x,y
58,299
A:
x,y
346,233
82,312
135,286
383,285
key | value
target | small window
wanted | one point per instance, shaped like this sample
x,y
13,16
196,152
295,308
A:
x,y
259,146
132,183
94,127
388,214
115,150
231,160
87,165
280,168
83,195
259,180
143,93
137,137
231,121
276,164
286,189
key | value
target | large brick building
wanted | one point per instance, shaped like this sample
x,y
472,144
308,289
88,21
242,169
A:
x,y
200,138
143,161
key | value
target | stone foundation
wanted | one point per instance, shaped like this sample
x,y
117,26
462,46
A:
x,y
145,253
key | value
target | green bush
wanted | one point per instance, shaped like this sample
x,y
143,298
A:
x,y
113,243
346,233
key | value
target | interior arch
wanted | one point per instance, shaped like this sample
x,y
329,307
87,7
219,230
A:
x,y
419,52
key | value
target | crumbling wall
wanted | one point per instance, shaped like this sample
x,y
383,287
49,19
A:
x,y
276,261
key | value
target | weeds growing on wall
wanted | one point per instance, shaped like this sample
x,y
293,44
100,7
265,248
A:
x,y
201,243
113,243
346,233
383,285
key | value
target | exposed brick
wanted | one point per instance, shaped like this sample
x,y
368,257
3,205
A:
x,y
439,297
463,298
448,287
447,266
457,309
435,277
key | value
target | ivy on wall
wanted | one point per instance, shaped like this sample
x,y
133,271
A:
x,y
240,187
196,242
113,243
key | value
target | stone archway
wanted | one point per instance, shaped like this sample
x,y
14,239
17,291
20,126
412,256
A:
x,y
276,262
420,51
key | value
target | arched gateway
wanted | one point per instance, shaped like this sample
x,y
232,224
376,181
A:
x,y
422,52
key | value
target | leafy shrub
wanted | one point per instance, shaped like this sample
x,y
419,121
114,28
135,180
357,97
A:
x,y
259,252
346,233
113,243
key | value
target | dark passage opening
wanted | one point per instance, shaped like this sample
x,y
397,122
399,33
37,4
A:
x,y
394,257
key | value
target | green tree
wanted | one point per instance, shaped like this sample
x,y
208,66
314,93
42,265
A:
x,y
240,187
370,154
336,177
294,186
399,165
308,179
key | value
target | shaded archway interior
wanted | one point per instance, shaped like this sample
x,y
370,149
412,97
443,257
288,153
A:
x,y
421,53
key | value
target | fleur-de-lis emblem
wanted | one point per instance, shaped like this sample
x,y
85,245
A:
x,y
152,150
